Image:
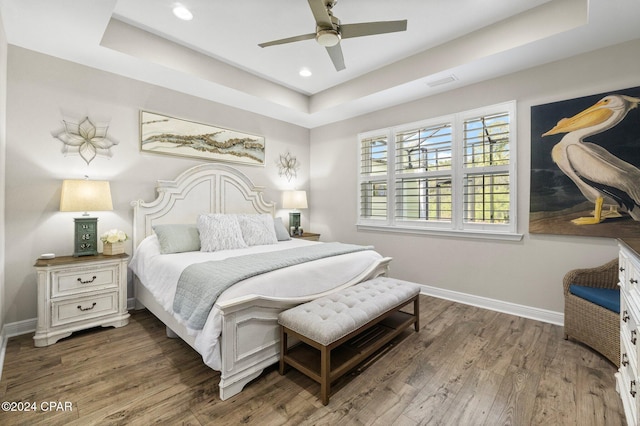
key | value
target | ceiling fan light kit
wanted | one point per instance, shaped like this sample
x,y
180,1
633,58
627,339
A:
x,y
329,31
328,38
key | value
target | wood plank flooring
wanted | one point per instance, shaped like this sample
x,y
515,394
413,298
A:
x,y
466,366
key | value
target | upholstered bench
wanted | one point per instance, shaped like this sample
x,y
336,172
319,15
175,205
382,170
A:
x,y
353,323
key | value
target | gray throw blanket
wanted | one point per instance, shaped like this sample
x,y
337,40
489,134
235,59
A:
x,y
201,283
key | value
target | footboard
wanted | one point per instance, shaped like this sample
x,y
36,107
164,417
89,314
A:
x,y
251,334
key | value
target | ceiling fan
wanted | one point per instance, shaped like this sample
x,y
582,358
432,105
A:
x,y
329,30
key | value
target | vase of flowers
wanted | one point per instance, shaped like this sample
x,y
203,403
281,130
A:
x,y
113,242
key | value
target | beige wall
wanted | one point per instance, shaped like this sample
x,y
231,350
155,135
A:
x,y
528,272
42,89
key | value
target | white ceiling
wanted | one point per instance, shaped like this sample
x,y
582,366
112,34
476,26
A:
x,y
216,55
231,31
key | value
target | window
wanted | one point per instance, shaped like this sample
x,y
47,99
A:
x,y
451,174
373,169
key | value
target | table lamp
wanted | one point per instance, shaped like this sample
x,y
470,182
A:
x,y
84,196
294,200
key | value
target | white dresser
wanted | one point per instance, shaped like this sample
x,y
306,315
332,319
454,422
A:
x,y
627,379
75,293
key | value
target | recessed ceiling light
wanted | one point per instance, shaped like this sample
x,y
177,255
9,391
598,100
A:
x,y
305,72
182,12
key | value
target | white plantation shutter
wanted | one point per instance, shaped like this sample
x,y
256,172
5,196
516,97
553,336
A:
x,y
486,186
423,173
373,177
425,149
452,173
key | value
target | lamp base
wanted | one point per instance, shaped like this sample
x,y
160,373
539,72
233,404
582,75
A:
x,y
294,223
86,236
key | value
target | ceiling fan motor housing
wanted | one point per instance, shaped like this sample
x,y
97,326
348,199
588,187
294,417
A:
x,y
329,36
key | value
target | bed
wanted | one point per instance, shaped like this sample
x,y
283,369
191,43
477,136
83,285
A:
x,y
241,336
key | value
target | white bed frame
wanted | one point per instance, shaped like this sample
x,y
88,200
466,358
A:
x,y
250,332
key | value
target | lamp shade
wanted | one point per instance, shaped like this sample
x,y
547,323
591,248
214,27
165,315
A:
x,y
294,200
85,195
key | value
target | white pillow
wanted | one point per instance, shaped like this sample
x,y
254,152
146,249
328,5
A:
x,y
257,229
219,232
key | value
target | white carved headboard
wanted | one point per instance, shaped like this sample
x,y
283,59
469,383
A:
x,y
206,188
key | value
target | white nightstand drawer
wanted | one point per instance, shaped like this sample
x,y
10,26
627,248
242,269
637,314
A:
x,y
79,292
77,309
83,279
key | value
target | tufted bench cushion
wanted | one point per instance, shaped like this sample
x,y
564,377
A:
x,y
332,317
354,322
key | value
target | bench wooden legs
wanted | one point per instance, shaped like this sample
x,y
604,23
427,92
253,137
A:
x,y
416,313
325,374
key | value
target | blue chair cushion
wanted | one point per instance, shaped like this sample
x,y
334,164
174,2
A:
x,y
605,297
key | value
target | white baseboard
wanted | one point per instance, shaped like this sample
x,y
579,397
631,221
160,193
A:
x,y
20,327
3,350
538,314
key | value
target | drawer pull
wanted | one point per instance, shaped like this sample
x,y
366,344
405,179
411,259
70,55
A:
x,y
87,281
633,336
625,360
621,269
625,316
633,281
632,388
87,309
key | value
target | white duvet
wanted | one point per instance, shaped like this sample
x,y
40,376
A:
x,y
159,273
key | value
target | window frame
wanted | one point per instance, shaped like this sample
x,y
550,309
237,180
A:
x,y
457,226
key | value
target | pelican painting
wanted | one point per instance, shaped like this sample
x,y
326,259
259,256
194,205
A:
x,y
602,178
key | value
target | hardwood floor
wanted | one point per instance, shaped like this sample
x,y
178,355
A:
x,y
467,366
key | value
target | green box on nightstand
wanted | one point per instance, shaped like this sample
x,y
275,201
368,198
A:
x,y
86,241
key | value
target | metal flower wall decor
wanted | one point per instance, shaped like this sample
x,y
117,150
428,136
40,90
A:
x,y
287,166
85,138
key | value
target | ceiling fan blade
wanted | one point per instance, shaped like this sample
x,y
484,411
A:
x,y
335,53
288,40
319,10
372,28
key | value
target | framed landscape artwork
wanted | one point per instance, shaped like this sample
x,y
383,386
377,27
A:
x,y
162,134
585,166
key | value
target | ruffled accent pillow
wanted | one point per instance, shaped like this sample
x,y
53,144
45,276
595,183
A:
x,y
257,229
219,232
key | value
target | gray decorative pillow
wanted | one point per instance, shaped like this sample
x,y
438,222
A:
x,y
219,232
257,229
177,238
281,230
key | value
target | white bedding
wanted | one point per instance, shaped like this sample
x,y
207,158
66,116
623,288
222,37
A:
x,y
159,273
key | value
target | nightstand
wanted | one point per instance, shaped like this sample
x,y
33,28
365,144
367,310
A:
x,y
76,293
308,236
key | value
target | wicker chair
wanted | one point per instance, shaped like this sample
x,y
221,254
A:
x,y
589,323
